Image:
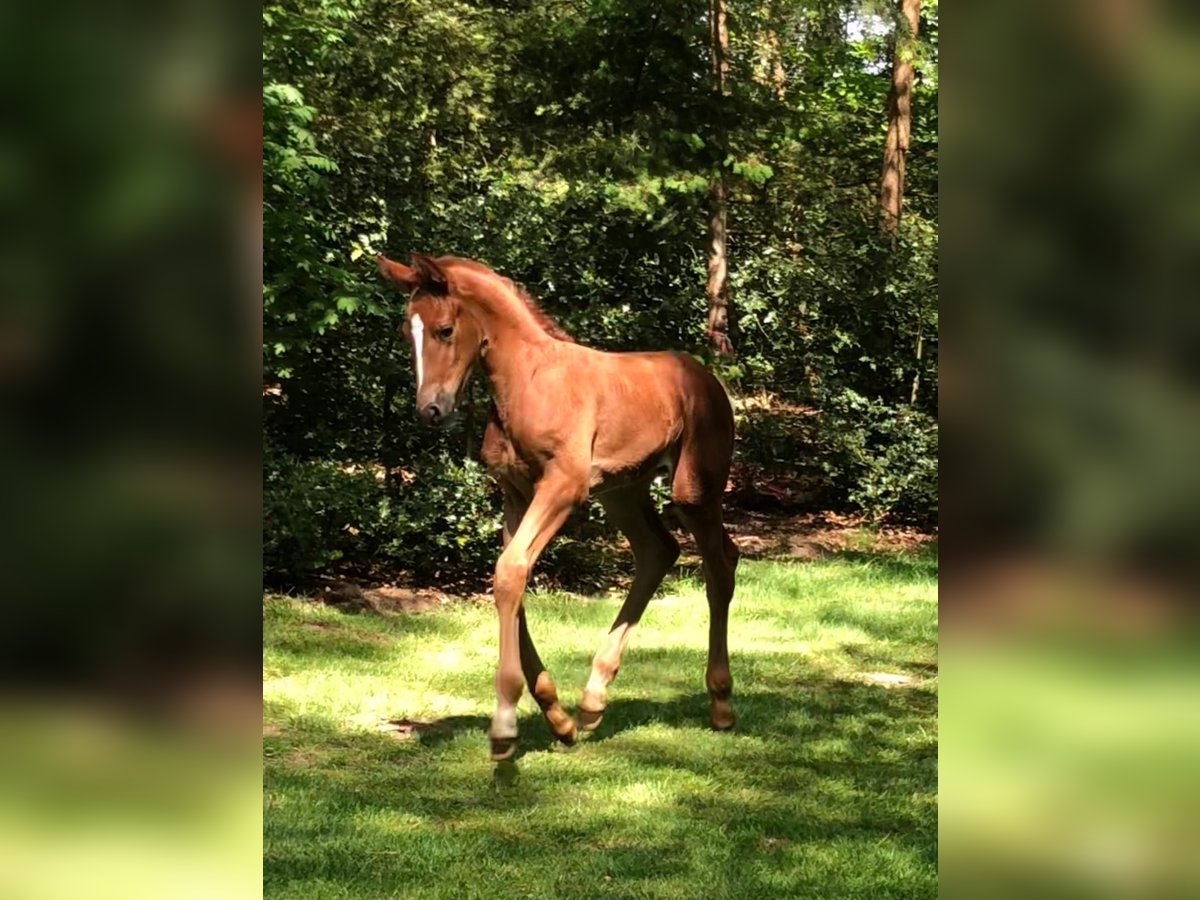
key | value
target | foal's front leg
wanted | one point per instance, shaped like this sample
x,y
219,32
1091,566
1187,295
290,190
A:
x,y
516,502
554,497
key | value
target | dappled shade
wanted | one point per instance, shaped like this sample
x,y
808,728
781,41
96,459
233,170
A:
x,y
377,782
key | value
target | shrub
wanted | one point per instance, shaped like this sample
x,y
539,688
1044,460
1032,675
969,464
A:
x,y
440,516
882,458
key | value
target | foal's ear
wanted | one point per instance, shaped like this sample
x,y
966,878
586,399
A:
x,y
404,277
430,276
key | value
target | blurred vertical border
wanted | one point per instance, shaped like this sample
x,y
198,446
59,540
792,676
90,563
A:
x,y
130,315
1070,384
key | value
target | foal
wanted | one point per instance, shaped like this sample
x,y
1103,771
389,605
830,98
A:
x,y
568,422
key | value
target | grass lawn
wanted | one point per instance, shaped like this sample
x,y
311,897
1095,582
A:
x,y
827,788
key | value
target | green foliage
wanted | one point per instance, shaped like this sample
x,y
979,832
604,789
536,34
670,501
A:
x,y
571,147
440,520
884,458
308,511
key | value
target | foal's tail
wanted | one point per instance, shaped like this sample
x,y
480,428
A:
x,y
706,447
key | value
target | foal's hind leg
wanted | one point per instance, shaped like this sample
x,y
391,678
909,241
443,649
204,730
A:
x,y
697,490
654,552
542,685
720,556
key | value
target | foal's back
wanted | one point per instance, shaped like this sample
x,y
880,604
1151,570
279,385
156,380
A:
x,y
653,408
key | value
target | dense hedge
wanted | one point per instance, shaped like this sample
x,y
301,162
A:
x,y
570,147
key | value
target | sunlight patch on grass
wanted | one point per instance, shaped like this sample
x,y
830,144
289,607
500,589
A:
x,y
826,788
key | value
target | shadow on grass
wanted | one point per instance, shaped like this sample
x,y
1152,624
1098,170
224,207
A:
x,y
356,636
813,711
825,788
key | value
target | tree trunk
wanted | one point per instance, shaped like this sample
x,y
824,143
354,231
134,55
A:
x,y
717,289
895,148
718,285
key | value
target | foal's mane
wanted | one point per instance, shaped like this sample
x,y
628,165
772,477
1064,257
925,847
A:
x,y
547,324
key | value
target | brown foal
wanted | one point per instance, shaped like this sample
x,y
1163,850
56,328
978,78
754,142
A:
x,y
568,422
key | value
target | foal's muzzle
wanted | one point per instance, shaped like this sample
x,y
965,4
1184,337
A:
x,y
439,410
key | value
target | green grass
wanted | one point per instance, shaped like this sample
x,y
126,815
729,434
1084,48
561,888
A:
x,y
827,788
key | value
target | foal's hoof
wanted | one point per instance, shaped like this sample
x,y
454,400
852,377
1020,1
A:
x,y
722,718
503,748
567,736
561,725
503,733
589,719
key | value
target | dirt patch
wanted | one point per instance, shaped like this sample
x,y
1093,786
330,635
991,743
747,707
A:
x,y
319,626
886,679
816,535
271,730
344,594
753,544
395,599
804,536
759,534
406,729
386,599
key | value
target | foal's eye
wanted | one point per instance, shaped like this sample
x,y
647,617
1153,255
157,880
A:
x,y
444,333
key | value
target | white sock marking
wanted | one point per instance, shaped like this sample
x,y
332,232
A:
x,y
418,335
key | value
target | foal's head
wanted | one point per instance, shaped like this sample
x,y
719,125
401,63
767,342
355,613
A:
x,y
446,338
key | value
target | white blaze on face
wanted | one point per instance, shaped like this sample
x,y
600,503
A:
x,y
418,336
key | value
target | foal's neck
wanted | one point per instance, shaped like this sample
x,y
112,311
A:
x,y
516,340
511,358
